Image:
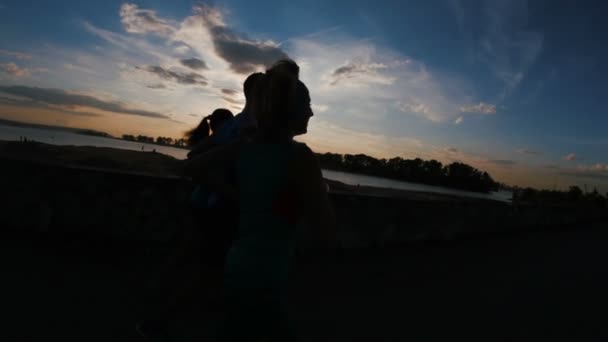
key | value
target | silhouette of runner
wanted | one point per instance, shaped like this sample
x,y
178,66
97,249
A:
x,y
278,186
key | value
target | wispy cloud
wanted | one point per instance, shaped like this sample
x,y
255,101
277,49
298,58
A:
x,y
194,63
481,108
14,70
80,68
357,84
355,75
136,20
320,108
503,162
528,151
62,98
588,142
329,137
459,120
233,101
157,86
599,167
551,167
570,157
245,55
186,78
15,54
597,171
508,46
229,92
29,104
500,36
357,69
364,79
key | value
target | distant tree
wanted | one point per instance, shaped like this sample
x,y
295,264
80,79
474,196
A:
x,y
456,175
575,193
179,142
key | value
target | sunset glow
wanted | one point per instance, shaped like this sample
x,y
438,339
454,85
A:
x,y
510,87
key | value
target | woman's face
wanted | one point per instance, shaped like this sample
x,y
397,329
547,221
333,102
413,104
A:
x,y
300,122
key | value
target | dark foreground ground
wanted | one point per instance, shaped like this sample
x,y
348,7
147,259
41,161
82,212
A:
x,y
529,287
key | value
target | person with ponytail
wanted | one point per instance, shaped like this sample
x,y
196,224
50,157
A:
x,y
211,123
278,186
206,244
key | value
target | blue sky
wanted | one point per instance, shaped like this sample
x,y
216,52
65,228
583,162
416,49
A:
x,y
511,87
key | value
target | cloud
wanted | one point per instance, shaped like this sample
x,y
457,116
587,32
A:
x,y
502,162
452,149
507,45
570,157
244,55
481,108
229,92
596,172
356,69
80,68
320,108
14,70
599,167
182,49
527,151
58,97
143,21
327,137
29,104
190,78
459,120
361,78
233,101
14,54
194,63
378,86
156,86
356,75
501,37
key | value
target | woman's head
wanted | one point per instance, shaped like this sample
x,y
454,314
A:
x,y
281,103
210,123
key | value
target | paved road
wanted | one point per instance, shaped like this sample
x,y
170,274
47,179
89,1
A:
x,y
527,287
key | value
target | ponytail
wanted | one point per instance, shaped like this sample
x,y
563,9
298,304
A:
x,y
199,133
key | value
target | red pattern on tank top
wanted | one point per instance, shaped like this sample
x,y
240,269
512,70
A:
x,y
285,205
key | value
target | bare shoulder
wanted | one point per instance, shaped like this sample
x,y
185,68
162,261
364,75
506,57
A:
x,y
303,151
304,157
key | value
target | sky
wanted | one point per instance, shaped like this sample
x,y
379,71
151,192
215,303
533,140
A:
x,y
512,87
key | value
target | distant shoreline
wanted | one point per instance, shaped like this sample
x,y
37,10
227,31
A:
x,y
324,165
160,165
81,131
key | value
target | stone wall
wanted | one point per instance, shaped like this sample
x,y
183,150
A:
x,y
55,199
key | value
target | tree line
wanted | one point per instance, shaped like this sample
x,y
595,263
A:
x,y
167,141
574,195
432,172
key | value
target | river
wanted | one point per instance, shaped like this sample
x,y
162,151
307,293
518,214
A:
x,y
59,137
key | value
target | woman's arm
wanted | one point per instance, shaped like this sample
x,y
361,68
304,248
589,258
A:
x,y
314,198
209,169
201,147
